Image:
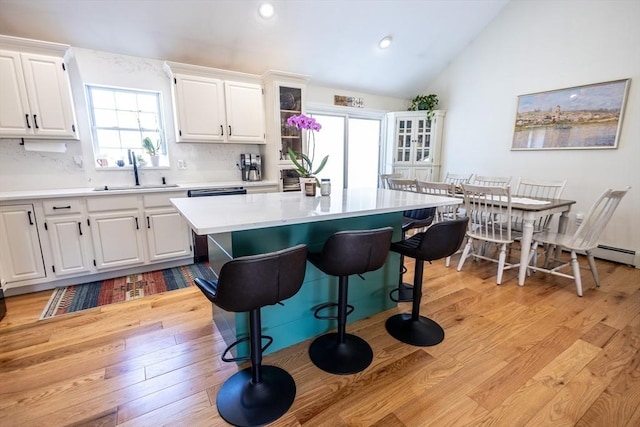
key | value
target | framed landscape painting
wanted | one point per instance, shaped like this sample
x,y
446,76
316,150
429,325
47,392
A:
x,y
581,117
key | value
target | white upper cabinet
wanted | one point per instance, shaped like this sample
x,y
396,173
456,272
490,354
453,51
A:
x,y
210,106
199,109
36,97
245,112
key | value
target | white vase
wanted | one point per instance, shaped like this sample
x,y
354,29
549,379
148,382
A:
x,y
155,161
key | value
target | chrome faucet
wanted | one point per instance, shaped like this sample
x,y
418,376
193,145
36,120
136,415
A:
x,y
132,160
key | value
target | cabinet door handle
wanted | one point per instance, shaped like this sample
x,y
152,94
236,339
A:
x,y
229,130
26,116
35,121
137,226
61,207
221,130
29,215
148,222
80,228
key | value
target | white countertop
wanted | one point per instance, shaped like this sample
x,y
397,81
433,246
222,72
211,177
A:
x,y
7,196
210,215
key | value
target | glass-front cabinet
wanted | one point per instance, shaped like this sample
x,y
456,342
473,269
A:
x,y
416,144
285,97
290,105
413,140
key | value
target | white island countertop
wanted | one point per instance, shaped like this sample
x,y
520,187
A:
x,y
210,215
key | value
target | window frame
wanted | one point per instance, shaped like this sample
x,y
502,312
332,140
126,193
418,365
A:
x,y
141,153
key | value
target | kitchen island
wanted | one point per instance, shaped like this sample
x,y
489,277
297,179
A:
x,y
239,225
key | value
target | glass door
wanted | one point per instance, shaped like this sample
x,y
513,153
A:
x,y
363,152
353,146
423,141
290,105
403,144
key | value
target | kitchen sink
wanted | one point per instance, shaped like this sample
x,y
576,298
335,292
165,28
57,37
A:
x,y
133,187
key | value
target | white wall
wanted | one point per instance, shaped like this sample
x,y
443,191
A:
x,y
22,170
534,46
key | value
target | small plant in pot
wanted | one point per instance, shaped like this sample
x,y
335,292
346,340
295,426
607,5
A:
x,y
153,150
424,102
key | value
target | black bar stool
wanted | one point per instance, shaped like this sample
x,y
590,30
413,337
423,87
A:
x,y
438,241
260,394
416,218
343,254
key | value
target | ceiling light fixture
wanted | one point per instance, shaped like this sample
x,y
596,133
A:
x,y
266,10
385,42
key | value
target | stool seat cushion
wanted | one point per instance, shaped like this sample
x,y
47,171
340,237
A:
x,y
250,282
353,252
440,240
417,218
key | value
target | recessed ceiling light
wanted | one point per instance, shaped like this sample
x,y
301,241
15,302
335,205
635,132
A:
x,y
385,42
266,10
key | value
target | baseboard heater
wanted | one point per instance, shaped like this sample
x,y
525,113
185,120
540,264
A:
x,y
610,253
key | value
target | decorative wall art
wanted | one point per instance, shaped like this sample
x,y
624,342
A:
x,y
581,117
348,101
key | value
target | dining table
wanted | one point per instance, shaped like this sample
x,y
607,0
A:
x,y
529,210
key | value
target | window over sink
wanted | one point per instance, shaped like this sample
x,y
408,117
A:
x,y
126,119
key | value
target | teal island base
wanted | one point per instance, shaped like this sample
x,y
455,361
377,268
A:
x,y
293,321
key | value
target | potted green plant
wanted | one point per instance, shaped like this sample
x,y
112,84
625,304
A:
x,y
305,165
424,102
152,150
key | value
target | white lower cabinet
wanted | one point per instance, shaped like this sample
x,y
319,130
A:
x,y
168,234
116,231
67,228
20,252
117,239
85,236
121,225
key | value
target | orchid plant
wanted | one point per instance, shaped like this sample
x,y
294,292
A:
x,y
305,165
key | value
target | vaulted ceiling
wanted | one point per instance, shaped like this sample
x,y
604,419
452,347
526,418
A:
x,y
335,42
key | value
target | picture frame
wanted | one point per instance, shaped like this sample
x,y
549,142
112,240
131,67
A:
x,y
579,117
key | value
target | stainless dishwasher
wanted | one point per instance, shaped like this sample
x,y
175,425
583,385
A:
x,y
200,245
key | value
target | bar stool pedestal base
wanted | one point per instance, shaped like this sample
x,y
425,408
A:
x,y
243,403
422,332
354,355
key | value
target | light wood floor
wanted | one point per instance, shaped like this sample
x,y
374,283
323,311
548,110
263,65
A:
x,y
536,355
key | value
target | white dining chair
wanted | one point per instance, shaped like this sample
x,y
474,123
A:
x,y
491,181
457,179
584,239
384,177
401,184
538,189
486,206
443,213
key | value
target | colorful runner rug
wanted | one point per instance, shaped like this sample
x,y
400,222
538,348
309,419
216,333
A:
x,y
68,299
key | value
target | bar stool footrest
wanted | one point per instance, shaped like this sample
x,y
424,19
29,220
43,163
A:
x,y
404,291
241,340
328,305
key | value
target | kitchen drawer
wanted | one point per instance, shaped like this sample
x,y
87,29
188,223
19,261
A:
x,y
161,199
62,206
106,203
